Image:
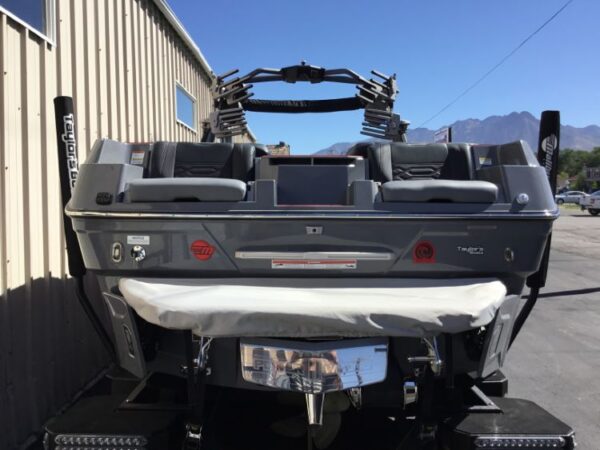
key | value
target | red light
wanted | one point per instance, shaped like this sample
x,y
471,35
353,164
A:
x,y
202,250
424,253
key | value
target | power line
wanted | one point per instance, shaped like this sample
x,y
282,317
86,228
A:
x,y
502,61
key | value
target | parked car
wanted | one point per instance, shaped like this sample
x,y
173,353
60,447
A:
x,y
570,197
591,203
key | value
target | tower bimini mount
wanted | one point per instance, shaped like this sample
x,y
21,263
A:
x,y
233,97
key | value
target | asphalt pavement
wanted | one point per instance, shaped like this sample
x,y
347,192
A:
x,y
555,361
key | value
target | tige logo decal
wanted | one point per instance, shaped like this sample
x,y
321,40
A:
x,y
470,250
549,144
424,253
68,137
202,250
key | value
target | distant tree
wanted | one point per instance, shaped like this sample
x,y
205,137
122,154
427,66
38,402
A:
x,y
573,161
594,158
580,183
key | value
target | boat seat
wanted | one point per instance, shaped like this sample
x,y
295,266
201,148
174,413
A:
x,y
425,172
458,191
186,171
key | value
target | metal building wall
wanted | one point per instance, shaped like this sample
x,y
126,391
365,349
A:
x,y
120,60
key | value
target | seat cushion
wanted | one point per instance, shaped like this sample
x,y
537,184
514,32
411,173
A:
x,y
185,189
459,191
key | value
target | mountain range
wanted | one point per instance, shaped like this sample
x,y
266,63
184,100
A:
x,y
498,130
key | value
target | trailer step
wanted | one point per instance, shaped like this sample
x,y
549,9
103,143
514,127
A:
x,y
98,423
521,424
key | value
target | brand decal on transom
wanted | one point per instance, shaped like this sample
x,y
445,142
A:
x,y
423,253
471,250
202,250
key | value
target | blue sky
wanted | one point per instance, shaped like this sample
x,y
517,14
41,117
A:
x,y
437,48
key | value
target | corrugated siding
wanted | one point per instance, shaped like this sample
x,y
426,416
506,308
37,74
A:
x,y
120,60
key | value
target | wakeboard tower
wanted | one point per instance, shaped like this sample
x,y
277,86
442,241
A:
x,y
324,290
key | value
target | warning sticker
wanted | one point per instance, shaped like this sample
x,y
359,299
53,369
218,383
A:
x,y
485,161
314,264
138,240
137,157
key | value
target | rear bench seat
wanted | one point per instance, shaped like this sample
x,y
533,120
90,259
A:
x,y
184,171
425,173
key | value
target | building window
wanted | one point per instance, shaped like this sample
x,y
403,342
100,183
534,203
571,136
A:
x,y
186,107
37,15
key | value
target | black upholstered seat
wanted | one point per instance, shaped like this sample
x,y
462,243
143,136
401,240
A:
x,y
425,172
185,171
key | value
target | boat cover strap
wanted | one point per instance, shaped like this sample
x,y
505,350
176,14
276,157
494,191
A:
x,y
315,307
303,106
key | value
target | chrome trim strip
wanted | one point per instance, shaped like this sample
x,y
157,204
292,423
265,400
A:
x,y
359,256
356,215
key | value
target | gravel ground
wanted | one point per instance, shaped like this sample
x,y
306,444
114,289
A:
x,y
577,232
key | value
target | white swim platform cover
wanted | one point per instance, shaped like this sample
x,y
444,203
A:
x,y
315,307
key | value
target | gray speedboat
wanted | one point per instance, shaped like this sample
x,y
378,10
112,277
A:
x,y
390,277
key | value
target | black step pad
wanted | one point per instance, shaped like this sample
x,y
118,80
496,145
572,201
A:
x,y
99,416
519,418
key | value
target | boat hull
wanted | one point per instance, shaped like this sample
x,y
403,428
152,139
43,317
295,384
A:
x,y
506,249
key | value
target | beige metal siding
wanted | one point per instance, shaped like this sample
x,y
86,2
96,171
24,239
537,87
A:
x,y
120,60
